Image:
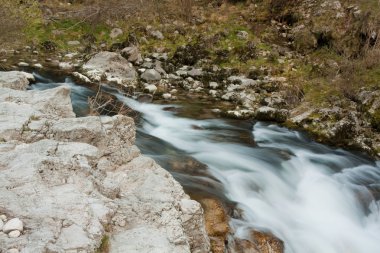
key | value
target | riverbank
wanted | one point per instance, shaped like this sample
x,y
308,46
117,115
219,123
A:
x,y
266,61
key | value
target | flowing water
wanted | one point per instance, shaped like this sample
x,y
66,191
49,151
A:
x,y
315,198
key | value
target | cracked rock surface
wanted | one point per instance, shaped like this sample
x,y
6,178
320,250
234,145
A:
x,y
75,181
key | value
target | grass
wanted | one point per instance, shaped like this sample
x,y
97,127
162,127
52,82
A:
x,y
105,245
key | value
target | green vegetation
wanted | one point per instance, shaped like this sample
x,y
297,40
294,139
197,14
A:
x,y
105,245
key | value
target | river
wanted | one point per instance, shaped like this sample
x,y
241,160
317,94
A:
x,y
315,198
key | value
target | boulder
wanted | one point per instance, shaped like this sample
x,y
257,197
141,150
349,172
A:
x,y
132,54
151,75
110,67
16,80
267,113
71,179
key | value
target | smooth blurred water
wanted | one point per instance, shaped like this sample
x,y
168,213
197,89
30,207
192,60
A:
x,y
315,198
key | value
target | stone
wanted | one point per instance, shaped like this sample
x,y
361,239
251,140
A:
x,y
166,96
242,35
66,65
115,33
132,54
13,224
80,78
13,251
110,67
23,64
38,66
15,80
14,234
151,88
151,75
1,225
157,35
195,73
73,43
267,113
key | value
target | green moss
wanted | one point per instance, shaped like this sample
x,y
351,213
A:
x,y
105,245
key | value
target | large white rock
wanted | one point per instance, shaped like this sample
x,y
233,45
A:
x,y
13,224
70,178
110,67
15,80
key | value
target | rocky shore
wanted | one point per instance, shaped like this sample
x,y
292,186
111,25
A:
x,y
81,185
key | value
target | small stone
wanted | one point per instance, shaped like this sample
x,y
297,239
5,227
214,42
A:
x,y
213,85
73,43
157,34
242,35
1,224
151,75
23,64
14,234
167,96
13,251
38,66
3,217
13,224
116,32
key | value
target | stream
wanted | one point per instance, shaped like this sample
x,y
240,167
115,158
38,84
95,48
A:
x,y
315,198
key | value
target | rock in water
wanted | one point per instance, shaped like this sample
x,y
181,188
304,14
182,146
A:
x,y
110,67
13,224
15,80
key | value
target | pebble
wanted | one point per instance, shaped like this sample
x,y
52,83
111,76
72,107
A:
x,y
23,64
3,217
213,85
13,251
14,234
166,95
13,224
1,224
38,65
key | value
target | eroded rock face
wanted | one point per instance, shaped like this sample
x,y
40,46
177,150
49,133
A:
x,y
71,179
110,67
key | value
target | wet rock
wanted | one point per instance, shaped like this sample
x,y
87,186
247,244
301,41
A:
x,y
151,75
81,79
110,67
267,113
216,223
15,80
